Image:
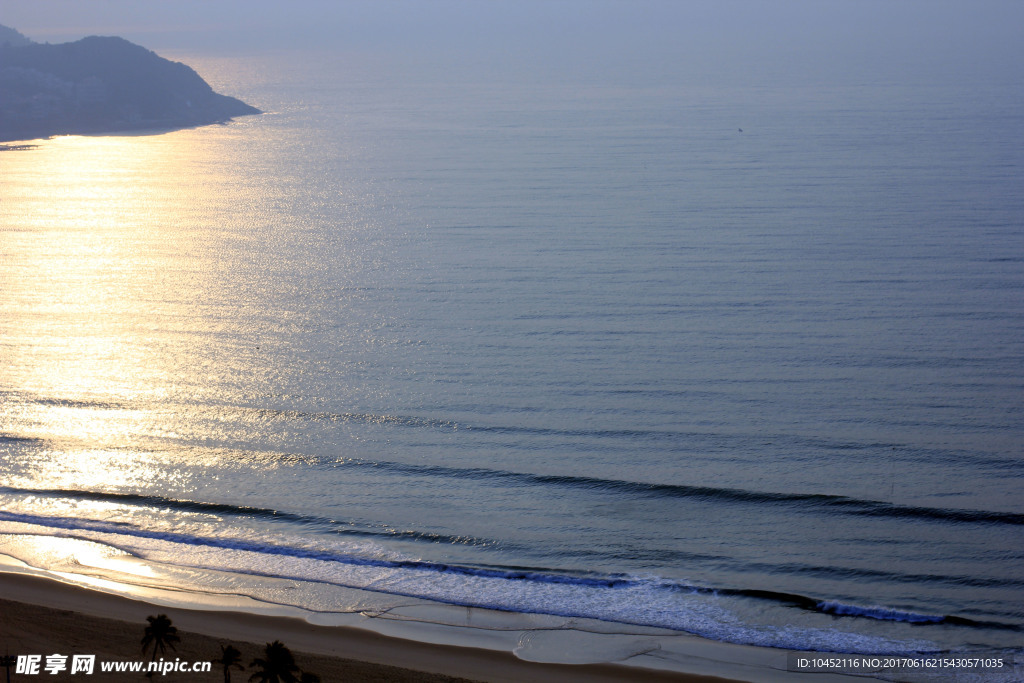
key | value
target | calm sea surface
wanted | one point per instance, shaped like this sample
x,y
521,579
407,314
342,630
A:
x,y
744,362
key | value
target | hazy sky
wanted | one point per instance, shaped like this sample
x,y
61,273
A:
x,y
900,40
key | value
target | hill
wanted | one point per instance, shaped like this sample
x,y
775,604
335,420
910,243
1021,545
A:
x,y
8,36
101,84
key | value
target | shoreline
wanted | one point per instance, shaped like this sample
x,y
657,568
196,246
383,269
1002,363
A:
x,y
46,616
43,615
22,140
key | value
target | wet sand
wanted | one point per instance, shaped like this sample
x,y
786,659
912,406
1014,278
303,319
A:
x,y
40,616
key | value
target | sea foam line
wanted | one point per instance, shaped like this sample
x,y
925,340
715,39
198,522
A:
x,y
508,576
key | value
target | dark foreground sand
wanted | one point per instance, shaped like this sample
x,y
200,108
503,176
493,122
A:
x,y
39,616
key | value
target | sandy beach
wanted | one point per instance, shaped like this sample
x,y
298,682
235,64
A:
x,y
47,617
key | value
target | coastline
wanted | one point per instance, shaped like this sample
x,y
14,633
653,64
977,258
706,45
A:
x,y
30,139
45,616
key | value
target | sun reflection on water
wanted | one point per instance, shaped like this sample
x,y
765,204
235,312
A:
x,y
87,266
111,250
80,467
72,555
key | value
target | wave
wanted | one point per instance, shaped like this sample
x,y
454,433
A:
x,y
839,609
879,613
819,503
324,524
156,501
636,437
350,529
14,439
810,501
123,529
526,578
887,614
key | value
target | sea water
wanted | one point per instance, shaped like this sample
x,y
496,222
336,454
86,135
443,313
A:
x,y
742,361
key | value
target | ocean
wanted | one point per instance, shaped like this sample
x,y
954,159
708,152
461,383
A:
x,y
590,364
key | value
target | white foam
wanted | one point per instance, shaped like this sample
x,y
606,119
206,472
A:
x,y
202,574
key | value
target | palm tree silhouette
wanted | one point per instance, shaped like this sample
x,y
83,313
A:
x,y
160,634
277,667
229,657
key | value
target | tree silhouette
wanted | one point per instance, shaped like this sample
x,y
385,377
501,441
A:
x,y
229,657
159,634
278,666
7,661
